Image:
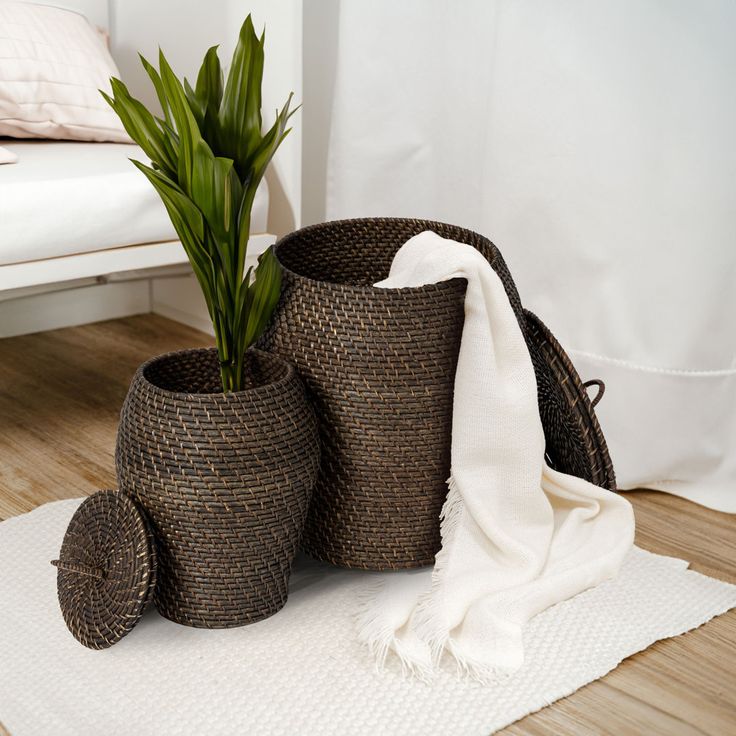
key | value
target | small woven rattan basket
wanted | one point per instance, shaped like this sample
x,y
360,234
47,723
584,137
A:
x,y
225,480
379,366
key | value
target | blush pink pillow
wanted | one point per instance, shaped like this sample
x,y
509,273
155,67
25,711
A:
x,y
52,65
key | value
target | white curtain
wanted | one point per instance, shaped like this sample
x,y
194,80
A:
x,y
594,144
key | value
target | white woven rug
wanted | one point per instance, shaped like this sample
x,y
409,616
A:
x,y
301,671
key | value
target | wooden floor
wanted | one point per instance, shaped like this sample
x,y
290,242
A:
x,y
60,396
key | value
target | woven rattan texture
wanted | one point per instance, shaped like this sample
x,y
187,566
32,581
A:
x,y
106,569
574,440
225,480
379,365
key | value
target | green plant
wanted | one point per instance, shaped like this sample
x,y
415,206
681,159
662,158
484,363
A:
x,y
208,155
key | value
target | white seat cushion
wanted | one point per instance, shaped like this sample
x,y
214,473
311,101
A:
x,y
62,198
7,157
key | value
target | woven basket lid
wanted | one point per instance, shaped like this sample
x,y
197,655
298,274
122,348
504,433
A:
x,y
575,442
106,570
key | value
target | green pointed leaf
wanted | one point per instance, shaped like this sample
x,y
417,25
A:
x,y
263,295
140,125
210,81
188,223
158,87
240,108
186,125
195,104
209,89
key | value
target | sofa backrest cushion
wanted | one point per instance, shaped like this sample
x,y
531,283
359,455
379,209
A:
x,y
53,63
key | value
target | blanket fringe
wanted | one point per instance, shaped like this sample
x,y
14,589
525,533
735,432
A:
x,y
376,632
429,620
372,631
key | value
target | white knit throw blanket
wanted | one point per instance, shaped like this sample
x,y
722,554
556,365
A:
x,y
517,536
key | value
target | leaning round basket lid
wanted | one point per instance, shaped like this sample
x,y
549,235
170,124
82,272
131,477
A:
x,y
106,570
575,442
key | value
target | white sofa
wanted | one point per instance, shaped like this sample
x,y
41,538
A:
x,y
71,210
83,235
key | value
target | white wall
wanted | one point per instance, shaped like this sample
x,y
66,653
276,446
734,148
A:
x,y
183,29
319,54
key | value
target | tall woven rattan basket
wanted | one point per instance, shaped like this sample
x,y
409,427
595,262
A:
x,y
224,479
379,366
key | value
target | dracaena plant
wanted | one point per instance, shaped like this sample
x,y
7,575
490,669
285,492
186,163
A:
x,y
208,154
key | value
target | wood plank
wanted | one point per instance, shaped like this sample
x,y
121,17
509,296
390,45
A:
x,y
60,397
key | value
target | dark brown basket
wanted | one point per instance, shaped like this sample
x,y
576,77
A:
x,y
225,480
575,442
379,365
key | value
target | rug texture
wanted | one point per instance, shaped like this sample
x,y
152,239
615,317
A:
x,y
303,670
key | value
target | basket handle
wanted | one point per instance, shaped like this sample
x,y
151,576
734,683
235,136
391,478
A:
x,y
92,572
601,390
